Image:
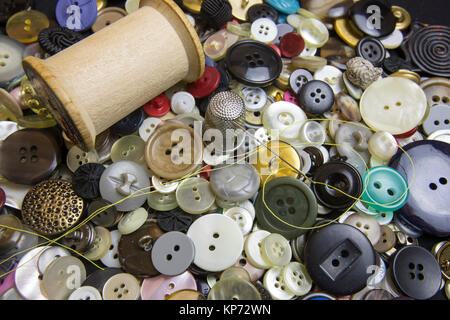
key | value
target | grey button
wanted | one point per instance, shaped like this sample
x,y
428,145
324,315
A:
x,y
122,179
438,119
107,217
283,28
236,182
173,253
299,78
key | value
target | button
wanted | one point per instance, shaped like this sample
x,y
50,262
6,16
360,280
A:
x,y
161,287
387,240
254,98
236,183
437,91
172,253
253,251
187,294
276,250
337,51
316,97
395,105
415,272
85,293
437,119
342,176
314,32
162,201
290,200
29,156
25,25
55,39
239,8
348,107
347,32
283,28
129,148
353,138
264,30
403,18
107,16
122,286
215,13
233,288
372,50
296,279
382,145
428,203
168,155
148,127
254,273
330,252
194,195
355,91
440,135
111,257
98,278
62,277
443,257
7,101
263,10
367,225
26,278
299,78
291,44
122,179
318,296
157,107
174,220
10,237
215,47
242,217
312,133
77,157
393,40
208,82
373,17
108,215
135,250
76,16
286,7
101,244
132,221
163,185
285,117
86,180
218,242
274,283
130,124
332,76
80,239
253,63
290,96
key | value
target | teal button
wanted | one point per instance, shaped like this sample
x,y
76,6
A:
x,y
385,189
285,6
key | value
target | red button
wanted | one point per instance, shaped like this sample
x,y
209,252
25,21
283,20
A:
x,y
2,199
406,134
274,47
291,44
204,86
206,172
158,106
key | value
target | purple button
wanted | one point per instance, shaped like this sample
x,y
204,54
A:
x,y
160,287
7,282
78,15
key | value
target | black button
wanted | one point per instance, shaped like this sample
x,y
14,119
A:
x,y
425,165
373,17
56,39
316,97
253,63
415,271
203,287
372,50
340,175
216,13
261,10
10,7
86,180
337,259
130,124
174,220
316,158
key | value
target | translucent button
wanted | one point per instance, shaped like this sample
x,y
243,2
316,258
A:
x,y
274,283
215,46
25,26
254,98
383,145
296,278
312,133
162,201
276,250
314,32
129,148
194,195
285,117
242,217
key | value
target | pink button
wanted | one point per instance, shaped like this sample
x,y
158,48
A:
x,y
254,272
7,282
160,287
289,96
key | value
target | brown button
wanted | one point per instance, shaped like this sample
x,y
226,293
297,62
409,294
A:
x,y
173,151
28,156
9,237
52,207
387,240
135,250
336,50
437,91
107,16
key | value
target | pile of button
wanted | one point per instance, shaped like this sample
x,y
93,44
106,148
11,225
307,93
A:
x,y
350,100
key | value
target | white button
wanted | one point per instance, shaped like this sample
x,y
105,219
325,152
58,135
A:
x,y
383,145
254,98
276,250
417,136
308,51
85,293
285,117
218,242
354,91
297,280
273,282
101,244
367,225
26,278
77,157
312,133
111,258
314,32
247,205
440,135
393,104
393,40
294,20
253,248
122,286
264,30
332,76
298,78
352,140
242,217
132,221
262,136
163,185
148,127
182,102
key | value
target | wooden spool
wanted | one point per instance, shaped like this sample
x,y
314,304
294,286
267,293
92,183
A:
x,y
100,80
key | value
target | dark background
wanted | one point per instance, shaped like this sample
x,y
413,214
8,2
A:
x,y
433,12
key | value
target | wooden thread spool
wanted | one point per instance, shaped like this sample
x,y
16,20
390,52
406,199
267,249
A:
x,y
100,80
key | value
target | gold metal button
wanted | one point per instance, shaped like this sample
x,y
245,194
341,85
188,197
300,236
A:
x,y
403,17
347,32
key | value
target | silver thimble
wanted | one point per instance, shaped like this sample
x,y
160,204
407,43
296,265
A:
x,y
226,111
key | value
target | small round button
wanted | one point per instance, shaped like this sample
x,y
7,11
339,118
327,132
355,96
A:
x,y
299,78
122,286
316,97
106,214
194,195
132,221
111,258
254,98
129,148
253,248
372,50
383,145
285,117
242,217
276,250
437,119
77,157
296,278
233,288
208,82
264,30
162,201
367,225
274,283
332,76
148,127
158,106
291,44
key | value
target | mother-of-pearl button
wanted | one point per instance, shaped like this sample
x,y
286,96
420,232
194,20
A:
x,y
285,117
393,40
332,76
264,30
383,145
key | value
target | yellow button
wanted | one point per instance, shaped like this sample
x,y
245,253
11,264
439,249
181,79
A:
x,y
240,8
193,6
25,26
403,17
347,32
31,99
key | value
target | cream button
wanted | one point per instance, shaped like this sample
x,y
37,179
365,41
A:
x,y
132,221
332,76
163,185
148,127
383,145
85,293
101,244
264,30
252,248
296,278
276,250
367,225
182,102
393,104
111,258
247,205
314,32
215,46
312,133
393,40
308,51
194,195
242,217
162,201
254,98
122,286
77,157
285,117
274,283
130,148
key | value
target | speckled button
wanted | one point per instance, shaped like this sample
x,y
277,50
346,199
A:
x,y
161,287
122,286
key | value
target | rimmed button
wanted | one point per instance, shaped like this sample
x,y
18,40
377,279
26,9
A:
x,y
80,239
261,10
130,148
162,201
296,278
27,280
242,217
194,195
122,286
387,240
107,16
316,97
254,98
443,257
107,217
276,250
314,32
252,248
285,117
111,257
382,145
437,90
299,78
161,287
158,106
130,124
372,50
208,82
274,283
98,278
77,157
148,127
347,32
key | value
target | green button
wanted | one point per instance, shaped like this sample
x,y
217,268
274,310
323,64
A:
x,y
130,148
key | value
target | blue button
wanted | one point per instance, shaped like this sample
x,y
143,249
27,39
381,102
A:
x,y
284,6
78,15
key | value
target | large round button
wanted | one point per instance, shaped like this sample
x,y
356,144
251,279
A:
x,y
393,104
253,63
25,25
337,258
316,97
373,17
76,157
161,287
416,272
218,242
194,195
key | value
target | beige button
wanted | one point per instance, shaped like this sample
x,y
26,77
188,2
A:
x,y
108,16
101,244
132,221
130,148
122,286
437,91
274,283
275,250
240,8
162,201
367,225
215,46
297,280
194,195
77,157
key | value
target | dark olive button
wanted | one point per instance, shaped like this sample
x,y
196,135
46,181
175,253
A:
x,y
316,97
174,220
372,50
415,271
253,63
425,165
337,257
28,156
135,250
373,17
98,278
262,10
130,124
341,176
86,180
289,199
